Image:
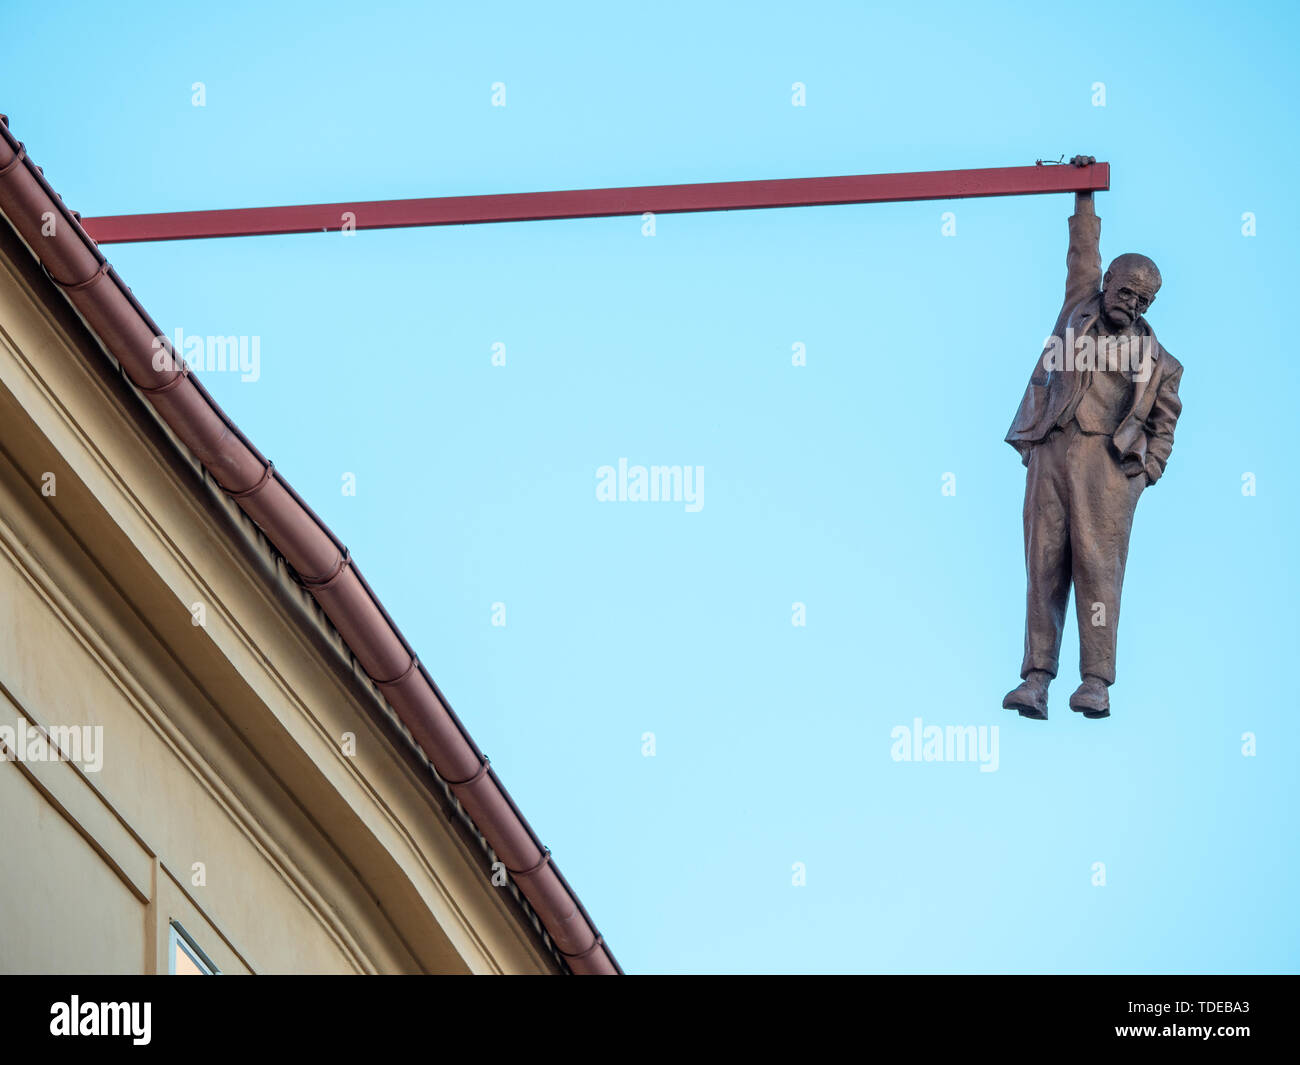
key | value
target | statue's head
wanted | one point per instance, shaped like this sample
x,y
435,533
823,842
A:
x,y
1128,289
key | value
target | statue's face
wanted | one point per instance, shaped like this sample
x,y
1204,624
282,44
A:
x,y
1126,296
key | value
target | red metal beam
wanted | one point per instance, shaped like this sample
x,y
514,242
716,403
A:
x,y
600,203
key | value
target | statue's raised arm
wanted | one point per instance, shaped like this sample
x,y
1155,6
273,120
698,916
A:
x,y
1083,260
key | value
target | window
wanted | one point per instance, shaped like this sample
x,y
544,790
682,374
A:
x,y
184,957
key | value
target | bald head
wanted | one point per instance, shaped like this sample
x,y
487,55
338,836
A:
x,y
1128,289
1131,264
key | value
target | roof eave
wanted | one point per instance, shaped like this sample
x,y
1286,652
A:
x,y
71,259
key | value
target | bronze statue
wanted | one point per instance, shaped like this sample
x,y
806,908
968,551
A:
x,y
1095,427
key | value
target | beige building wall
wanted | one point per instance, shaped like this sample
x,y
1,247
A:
x,y
229,798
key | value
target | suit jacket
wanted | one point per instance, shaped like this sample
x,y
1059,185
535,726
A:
x,y
1146,432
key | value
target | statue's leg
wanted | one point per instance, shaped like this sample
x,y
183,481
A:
x,y
1047,554
1104,499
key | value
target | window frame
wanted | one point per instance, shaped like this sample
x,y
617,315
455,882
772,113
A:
x,y
178,938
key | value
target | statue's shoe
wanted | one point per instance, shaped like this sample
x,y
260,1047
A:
x,y
1091,698
1030,699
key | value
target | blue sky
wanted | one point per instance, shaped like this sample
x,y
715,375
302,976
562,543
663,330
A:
x,y
476,483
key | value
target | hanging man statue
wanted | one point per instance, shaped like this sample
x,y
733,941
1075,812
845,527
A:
x,y
1095,427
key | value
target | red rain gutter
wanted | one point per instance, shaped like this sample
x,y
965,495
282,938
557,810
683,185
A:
x,y
601,203
71,260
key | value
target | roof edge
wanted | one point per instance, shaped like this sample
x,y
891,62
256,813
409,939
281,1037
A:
x,y
72,260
